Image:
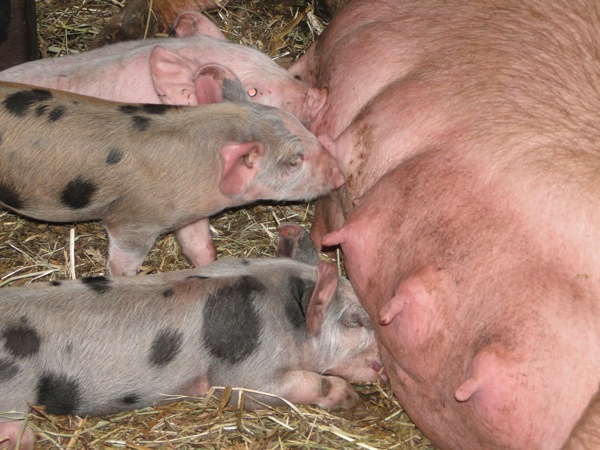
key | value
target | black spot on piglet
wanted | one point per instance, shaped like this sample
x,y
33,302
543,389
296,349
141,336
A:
x,y
99,283
141,123
130,399
60,394
56,113
165,347
10,197
19,102
152,108
114,156
55,282
40,110
8,370
78,193
232,325
129,109
21,341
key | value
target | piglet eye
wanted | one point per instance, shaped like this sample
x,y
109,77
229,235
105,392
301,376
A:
x,y
295,161
353,321
252,92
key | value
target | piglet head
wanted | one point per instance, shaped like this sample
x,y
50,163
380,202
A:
x,y
340,330
340,335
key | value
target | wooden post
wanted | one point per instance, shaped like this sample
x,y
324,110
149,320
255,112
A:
x,y
18,32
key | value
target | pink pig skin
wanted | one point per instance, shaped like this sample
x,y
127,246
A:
x,y
481,328
168,70
470,217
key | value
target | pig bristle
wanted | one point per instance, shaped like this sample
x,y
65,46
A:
x,y
37,252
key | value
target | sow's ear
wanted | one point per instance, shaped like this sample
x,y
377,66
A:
x,y
295,243
180,81
325,289
240,166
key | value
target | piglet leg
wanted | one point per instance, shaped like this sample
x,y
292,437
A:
x,y
196,243
304,387
127,248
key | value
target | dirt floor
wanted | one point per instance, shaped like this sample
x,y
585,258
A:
x,y
35,252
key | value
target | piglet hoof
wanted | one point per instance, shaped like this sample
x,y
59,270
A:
x,y
9,436
336,394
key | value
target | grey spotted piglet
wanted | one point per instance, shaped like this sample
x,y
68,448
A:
x,y
149,169
101,345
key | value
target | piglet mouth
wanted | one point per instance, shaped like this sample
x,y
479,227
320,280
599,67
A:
x,y
378,367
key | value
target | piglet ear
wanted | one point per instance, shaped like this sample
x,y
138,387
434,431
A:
x,y
215,83
191,23
180,81
173,77
325,289
295,243
241,163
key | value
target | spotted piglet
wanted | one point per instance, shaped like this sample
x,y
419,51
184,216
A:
x,y
149,169
277,325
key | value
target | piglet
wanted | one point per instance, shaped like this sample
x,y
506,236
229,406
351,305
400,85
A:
x,y
176,71
149,169
276,325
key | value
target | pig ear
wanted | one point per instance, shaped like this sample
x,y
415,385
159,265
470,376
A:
x,y
177,80
191,23
173,77
240,166
216,83
295,243
326,286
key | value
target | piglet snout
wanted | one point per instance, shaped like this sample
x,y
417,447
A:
x,y
328,144
379,369
337,177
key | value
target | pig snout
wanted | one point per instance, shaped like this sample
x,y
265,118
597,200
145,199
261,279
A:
x,y
317,156
336,174
329,145
13,433
365,367
324,167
